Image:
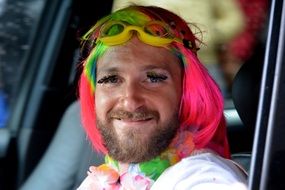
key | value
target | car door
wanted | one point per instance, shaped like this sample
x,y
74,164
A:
x,y
269,143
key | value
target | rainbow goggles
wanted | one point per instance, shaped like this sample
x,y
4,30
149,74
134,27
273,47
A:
x,y
153,33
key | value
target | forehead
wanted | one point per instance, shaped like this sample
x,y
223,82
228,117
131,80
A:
x,y
139,55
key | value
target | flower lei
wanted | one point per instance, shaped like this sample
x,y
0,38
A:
x,y
139,176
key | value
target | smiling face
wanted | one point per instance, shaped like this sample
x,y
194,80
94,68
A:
x,y
137,99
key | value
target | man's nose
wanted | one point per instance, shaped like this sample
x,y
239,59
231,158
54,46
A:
x,y
132,97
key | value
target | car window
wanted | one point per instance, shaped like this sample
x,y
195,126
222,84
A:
x,y
18,20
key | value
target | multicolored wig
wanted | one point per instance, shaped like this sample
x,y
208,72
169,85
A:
x,y
201,107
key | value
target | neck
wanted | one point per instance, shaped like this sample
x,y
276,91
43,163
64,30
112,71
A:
x,y
123,167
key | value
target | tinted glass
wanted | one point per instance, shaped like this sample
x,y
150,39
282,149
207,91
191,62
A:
x,y
18,20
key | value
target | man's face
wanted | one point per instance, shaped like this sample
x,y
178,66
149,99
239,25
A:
x,y
137,98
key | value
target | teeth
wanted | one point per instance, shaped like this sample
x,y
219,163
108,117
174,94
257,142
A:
x,y
141,119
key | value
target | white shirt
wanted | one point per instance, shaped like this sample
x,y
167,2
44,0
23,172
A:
x,y
202,172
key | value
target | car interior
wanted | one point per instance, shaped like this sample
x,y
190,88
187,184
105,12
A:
x,y
44,145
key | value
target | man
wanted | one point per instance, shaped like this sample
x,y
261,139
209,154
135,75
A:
x,y
151,107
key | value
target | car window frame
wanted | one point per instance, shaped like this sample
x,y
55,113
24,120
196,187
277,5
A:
x,y
267,122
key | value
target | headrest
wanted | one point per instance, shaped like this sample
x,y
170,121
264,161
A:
x,y
246,87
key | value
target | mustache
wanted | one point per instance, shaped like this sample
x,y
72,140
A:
x,y
142,114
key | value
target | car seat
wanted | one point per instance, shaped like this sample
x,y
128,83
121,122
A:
x,y
245,96
68,157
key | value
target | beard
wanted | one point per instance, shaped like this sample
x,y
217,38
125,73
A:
x,y
131,146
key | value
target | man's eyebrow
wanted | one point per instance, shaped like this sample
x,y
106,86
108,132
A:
x,y
156,67
107,69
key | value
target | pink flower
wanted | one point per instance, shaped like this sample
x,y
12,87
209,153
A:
x,y
100,178
135,182
106,178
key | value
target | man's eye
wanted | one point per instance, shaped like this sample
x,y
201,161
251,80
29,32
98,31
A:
x,y
108,79
155,78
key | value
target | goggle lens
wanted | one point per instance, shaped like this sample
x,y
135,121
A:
x,y
157,29
112,29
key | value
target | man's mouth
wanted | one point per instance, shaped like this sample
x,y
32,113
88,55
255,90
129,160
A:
x,y
139,116
141,119
133,122
135,119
